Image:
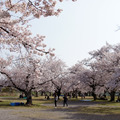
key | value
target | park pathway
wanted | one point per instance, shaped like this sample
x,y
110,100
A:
x,y
59,113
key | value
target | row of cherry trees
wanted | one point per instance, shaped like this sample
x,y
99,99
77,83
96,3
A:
x,y
27,74
98,74
23,67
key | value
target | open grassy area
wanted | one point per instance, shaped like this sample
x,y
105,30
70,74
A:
x,y
99,110
37,101
43,109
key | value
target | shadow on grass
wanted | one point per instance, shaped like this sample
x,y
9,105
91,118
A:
x,y
90,112
6,102
77,116
86,113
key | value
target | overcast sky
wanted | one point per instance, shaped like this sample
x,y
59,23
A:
x,y
83,26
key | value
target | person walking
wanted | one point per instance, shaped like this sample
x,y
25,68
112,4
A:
x,y
65,100
55,100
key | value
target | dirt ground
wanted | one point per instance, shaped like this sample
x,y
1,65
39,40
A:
x,y
72,112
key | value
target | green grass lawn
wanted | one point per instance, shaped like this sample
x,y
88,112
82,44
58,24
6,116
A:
x,y
37,101
99,110
102,107
38,110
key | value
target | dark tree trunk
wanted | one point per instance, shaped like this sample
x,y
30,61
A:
x,y
79,93
36,93
112,96
94,94
76,94
58,93
50,94
29,98
42,93
118,96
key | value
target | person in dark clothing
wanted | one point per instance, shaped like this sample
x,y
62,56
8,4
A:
x,y
55,100
65,100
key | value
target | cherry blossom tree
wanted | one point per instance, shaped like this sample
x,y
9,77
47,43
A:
x,y
108,58
95,75
54,69
16,38
73,82
14,12
99,73
23,75
14,18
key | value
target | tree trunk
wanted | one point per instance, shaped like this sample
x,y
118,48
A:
x,y
93,94
42,93
36,93
112,96
29,98
58,93
73,94
79,93
76,94
50,94
118,96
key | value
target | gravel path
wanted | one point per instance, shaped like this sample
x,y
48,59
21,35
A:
x,y
7,114
60,113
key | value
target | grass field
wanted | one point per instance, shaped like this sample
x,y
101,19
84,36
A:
x,y
43,109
